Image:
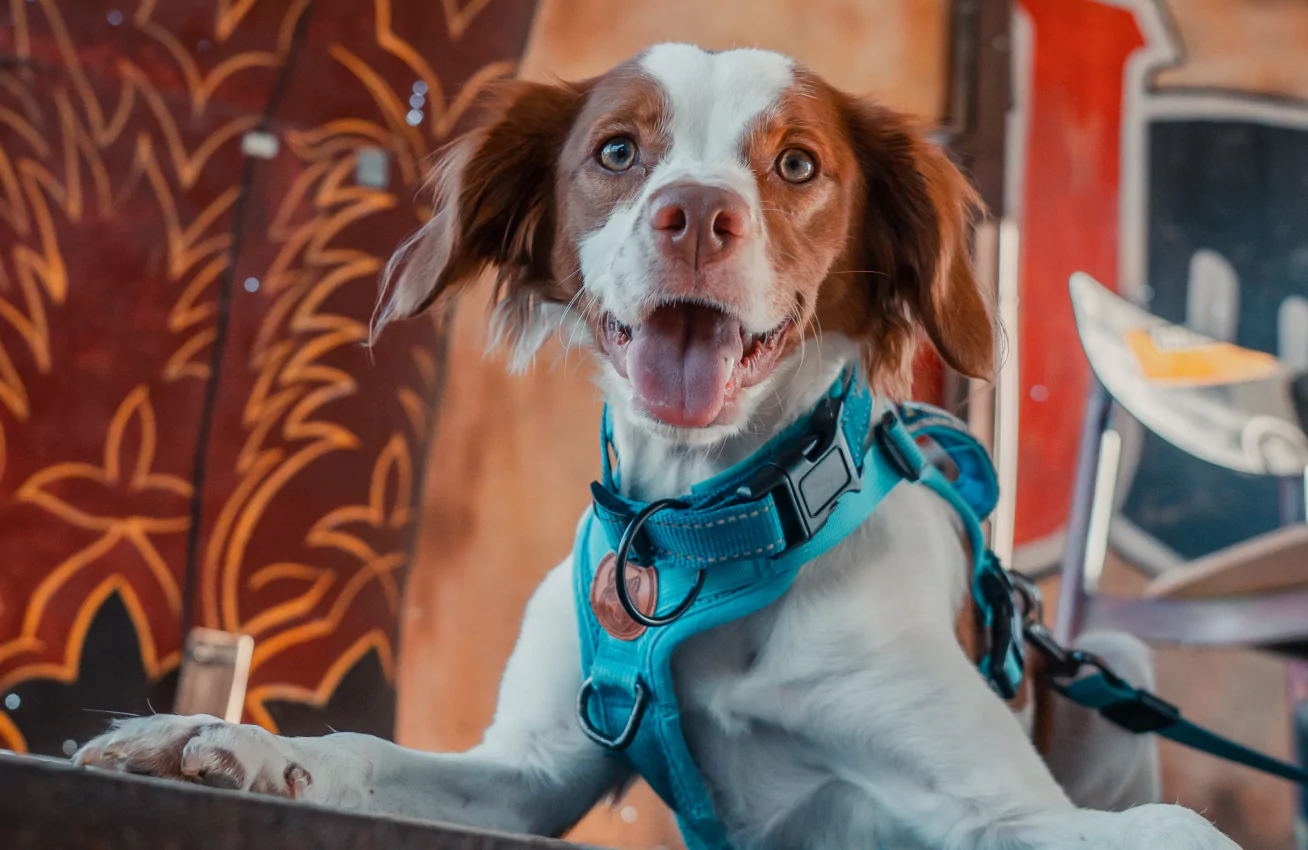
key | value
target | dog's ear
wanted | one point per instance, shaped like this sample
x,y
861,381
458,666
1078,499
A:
x,y
493,205
914,240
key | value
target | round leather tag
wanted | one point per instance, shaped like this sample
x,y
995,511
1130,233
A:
x,y
642,589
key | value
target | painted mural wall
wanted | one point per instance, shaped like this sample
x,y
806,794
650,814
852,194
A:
x,y
196,198
1166,154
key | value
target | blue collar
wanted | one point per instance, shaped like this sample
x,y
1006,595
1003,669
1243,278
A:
x,y
772,502
735,543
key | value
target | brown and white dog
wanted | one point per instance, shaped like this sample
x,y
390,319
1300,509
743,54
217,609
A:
x,y
727,232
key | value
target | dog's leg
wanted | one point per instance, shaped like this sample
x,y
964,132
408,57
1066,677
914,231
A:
x,y
917,736
534,772
1151,827
1099,765
1020,815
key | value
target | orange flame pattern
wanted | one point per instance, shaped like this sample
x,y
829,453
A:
x,y
126,231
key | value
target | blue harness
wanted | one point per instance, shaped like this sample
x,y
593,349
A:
x,y
735,543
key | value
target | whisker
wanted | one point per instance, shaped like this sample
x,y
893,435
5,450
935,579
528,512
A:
x,y
590,299
572,341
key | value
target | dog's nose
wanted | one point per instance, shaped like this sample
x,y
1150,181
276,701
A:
x,y
698,224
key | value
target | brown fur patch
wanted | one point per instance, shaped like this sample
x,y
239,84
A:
x,y
624,102
875,246
909,261
493,206
808,224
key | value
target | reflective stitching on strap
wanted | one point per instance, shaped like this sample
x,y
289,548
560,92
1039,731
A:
x,y
734,518
729,557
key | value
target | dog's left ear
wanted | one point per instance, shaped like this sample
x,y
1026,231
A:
x,y
916,222
493,205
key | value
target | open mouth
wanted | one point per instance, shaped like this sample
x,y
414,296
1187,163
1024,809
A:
x,y
688,361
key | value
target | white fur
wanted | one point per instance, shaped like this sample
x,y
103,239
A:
x,y
712,100
845,715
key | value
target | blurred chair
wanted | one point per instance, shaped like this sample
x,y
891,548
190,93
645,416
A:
x,y
1240,409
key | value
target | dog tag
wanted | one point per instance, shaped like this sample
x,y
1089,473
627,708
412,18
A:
x,y
642,590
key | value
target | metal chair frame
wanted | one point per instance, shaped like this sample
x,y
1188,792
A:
x,y
1272,621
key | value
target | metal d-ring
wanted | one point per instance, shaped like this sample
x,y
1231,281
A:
x,y
620,567
628,733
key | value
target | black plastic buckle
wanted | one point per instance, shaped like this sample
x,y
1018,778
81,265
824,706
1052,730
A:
x,y
891,450
1137,710
808,478
642,554
1058,662
1144,712
1005,633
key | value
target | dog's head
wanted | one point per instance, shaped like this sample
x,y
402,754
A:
x,y
699,215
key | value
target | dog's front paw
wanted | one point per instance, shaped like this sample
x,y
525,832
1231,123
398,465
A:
x,y
202,750
1163,827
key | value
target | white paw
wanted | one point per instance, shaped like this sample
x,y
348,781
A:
x,y
1163,827
199,749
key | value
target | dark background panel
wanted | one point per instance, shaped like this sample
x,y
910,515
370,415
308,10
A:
x,y
1238,189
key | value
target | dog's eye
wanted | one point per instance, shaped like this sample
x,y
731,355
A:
x,y
796,166
617,154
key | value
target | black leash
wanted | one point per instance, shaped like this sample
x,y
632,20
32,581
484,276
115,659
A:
x,y
1123,704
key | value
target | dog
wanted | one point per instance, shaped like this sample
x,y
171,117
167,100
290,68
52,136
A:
x,y
727,233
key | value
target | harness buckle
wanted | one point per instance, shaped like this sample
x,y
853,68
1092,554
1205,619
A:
x,y
808,478
909,467
641,553
1005,656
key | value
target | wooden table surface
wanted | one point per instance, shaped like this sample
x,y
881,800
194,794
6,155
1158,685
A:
x,y
50,805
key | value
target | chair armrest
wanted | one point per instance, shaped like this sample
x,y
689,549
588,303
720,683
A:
x,y
1275,562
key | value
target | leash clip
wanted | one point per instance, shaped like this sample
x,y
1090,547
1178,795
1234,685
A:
x,y
629,536
1005,658
628,734
1059,662
808,478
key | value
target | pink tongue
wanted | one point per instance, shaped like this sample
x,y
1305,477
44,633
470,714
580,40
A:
x,y
680,361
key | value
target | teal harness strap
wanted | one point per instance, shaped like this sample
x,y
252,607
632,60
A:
x,y
1139,711
757,508
734,544
972,493
731,547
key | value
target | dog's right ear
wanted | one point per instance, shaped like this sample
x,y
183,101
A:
x,y
493,206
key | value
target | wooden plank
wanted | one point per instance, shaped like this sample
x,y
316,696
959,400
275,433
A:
x,y
50,805
1269,563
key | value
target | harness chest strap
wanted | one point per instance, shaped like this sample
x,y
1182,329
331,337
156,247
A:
x,y
735,543
733,546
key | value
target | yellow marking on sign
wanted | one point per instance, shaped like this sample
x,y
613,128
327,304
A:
x,y
1198,365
